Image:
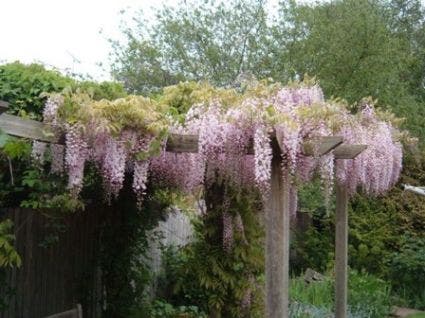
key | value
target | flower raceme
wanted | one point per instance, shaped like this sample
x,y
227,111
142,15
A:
x,y
128,134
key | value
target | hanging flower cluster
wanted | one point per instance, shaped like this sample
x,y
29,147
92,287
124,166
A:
x,y
235,132
116,136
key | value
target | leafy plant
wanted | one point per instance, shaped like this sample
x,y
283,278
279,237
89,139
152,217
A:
x,y
163,309
215,279
369,297
407,271
8,255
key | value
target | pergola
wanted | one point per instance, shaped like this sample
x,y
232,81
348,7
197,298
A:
x,y
277,207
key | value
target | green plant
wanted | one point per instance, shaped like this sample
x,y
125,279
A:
x,y
162,309
407,271
219,281
8,255
317,294
369,297
416,316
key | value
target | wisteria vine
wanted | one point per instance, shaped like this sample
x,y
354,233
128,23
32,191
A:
x,y
235,131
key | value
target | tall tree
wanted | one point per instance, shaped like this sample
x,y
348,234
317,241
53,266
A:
x,y
197,40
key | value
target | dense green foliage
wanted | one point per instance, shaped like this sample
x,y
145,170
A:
x,y
26,87
125,236
369,297
407,271
223,283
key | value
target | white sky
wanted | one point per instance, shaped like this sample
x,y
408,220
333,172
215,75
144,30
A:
x,y
65,33
60,32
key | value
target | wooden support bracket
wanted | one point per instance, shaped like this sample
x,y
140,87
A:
x,y
348,151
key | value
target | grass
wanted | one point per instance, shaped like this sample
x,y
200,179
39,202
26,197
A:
x,y
369,297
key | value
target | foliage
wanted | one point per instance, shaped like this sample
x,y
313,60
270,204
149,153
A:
x,y
125,237
22,85
8,255
26,88
407,271
226,282
207,40
369,297
162,309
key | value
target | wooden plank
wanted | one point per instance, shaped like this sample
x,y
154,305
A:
x,y
277,241
182,143
341,251
348,151
27,128
4,106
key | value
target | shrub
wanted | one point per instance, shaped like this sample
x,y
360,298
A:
x,y
369,297
407,272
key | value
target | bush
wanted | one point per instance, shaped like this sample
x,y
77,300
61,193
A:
x,y
407,271
220,282
368,297
163,309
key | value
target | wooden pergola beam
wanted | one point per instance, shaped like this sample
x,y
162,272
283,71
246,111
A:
x,y
32,129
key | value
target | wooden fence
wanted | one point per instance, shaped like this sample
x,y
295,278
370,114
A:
x,y
58,264
59,261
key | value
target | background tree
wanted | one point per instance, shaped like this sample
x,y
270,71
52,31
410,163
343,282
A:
x,y
197,40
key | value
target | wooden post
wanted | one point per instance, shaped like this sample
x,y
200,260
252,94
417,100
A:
x,y
341,251
341,232
277,241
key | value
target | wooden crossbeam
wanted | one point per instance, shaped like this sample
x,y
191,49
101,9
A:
x,y
32,129
27,128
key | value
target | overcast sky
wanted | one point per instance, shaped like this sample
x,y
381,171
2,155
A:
x,y
65,34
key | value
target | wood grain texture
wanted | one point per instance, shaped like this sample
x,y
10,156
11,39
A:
x,y
27,128
341,251
53,277
182,143
348,151
277,241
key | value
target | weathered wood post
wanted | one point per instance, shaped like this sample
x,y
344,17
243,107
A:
x,y
277,240
341,251
341,233
278,227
